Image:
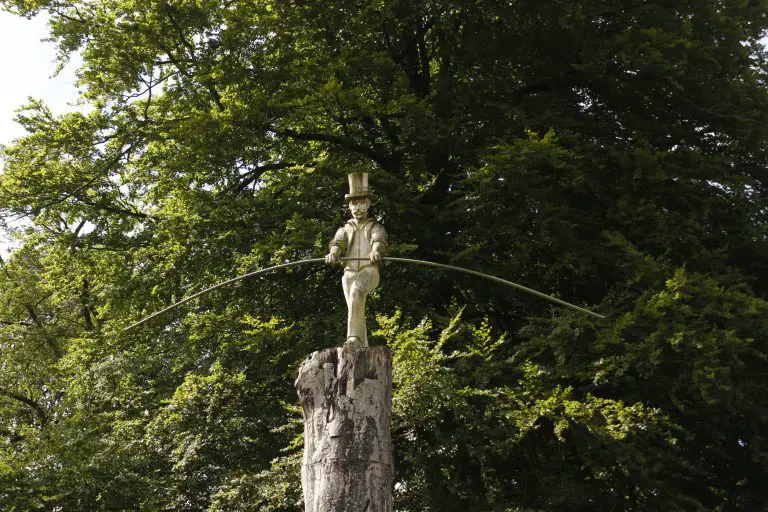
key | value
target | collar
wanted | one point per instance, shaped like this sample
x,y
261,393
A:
x,y
353,222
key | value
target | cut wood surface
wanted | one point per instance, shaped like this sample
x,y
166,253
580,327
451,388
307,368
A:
x,y
347,398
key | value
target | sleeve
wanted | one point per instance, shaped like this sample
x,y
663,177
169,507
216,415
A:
x,y
379,235
339,240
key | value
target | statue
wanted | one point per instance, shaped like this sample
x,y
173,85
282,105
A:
x,y
360,237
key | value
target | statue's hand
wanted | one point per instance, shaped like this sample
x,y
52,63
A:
x,y
332,258
375,256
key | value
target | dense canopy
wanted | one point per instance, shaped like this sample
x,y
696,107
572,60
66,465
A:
x,y
611,153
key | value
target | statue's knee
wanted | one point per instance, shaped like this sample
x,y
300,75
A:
x,y
358,294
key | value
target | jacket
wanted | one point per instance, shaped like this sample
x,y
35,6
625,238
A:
x,y
345,235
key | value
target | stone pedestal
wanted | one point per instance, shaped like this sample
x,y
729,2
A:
x,y
346,393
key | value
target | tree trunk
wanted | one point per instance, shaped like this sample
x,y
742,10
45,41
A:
x,y
347,398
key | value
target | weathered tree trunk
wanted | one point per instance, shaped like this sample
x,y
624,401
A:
x,y
347,398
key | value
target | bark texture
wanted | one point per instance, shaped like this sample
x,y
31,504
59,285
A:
x,y
347,398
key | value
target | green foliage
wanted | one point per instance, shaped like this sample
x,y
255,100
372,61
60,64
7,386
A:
x,y
465,420
612,154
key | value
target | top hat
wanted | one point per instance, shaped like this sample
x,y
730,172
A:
x,y
358,186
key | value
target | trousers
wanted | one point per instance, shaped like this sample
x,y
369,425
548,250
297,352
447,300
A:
x,y
357,284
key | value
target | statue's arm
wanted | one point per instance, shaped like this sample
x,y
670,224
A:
x,y
378,242
337,247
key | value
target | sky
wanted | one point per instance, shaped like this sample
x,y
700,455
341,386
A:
x,y
28,65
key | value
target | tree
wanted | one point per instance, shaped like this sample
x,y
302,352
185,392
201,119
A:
x,y
613,154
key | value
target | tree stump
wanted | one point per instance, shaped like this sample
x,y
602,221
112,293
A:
x,y
346,393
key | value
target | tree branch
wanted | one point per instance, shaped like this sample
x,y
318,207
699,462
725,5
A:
x,y
26,401
192,50
383,160
256,173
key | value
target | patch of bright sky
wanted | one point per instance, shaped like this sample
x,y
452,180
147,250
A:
x,y
27,66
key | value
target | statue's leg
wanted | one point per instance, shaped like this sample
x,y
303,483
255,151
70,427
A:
x,y
346,284
360,284
347,280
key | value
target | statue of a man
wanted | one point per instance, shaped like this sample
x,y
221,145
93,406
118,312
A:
x,y
360,237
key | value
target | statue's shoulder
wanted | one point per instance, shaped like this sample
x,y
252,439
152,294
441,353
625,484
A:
x,y
342,234
378,233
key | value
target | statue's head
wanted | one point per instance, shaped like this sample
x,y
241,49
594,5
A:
x,y
359,207
359,196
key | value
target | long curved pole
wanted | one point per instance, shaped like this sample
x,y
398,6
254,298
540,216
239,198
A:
x,y
498,280
385,258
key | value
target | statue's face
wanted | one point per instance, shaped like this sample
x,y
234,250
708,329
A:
x,y
359,207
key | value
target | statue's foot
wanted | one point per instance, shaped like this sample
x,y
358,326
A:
x,y
354,343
